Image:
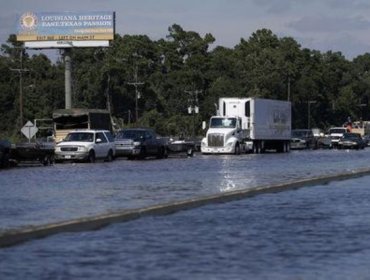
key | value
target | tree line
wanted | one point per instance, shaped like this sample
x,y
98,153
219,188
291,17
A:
x,y
160,79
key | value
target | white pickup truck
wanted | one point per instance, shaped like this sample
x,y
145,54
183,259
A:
x,y
335,133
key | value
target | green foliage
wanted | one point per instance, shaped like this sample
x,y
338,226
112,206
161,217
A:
x,y
166,71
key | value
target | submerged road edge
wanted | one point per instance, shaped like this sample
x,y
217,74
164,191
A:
x,y
16,236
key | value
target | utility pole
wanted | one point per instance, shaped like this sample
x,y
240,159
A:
x,y
20,71
193,108
136,83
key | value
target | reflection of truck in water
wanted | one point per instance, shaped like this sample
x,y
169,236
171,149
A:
x,y
66,120
249,124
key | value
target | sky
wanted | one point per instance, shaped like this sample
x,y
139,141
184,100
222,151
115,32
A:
x,y
323,25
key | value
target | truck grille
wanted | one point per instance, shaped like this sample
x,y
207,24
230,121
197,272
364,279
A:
x,y
69,149
215,140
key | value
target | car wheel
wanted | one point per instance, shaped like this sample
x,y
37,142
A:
x,y
91,157
109,157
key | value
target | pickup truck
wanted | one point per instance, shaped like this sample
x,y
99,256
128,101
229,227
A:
x,y
140,143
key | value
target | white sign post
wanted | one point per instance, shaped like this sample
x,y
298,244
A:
x,y
29,130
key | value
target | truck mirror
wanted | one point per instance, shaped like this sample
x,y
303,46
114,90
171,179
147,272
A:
x,y
204,125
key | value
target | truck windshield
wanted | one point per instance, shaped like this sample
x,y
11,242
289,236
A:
x,y
223,122
130,134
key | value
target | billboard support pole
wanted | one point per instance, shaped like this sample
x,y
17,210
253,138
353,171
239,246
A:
x,y
68,75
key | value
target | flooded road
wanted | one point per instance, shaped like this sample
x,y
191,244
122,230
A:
x,y
39,195
312,233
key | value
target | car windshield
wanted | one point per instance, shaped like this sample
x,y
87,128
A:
x,y
337,130
130,134
80,137
300,133
350,136
223,122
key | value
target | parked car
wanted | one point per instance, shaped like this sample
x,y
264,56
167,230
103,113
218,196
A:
x,y
302,139
5,148
297,144
140,143
366,139
86,145
324,142
351,141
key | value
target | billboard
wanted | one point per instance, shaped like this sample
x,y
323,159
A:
x,y
66,29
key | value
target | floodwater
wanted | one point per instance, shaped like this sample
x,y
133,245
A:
x,y
316,232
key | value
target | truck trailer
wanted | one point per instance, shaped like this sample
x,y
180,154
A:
x,y
249,125
66,120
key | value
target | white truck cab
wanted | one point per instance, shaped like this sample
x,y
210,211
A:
x,y
223,136
335,133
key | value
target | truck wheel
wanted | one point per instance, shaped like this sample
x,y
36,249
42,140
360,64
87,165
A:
x,y
256,147
91,157
46,160
237,149
161,152
142,154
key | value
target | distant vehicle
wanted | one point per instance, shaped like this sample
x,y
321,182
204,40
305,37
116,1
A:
x,y
324,143
303,139
5,147
86,145
140,143
362,127
335,133
181,146
351,141
298,144
366,139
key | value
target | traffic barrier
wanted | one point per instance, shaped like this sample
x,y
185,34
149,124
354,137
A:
x,y
16,236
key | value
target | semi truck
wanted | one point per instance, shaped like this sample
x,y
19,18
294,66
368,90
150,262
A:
x,y
248,125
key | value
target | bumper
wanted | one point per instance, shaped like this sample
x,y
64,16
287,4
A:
x,y
65,156
127,151
217,150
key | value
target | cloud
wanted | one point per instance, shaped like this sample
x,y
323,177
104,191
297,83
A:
x,y
322,24
352,5
275,6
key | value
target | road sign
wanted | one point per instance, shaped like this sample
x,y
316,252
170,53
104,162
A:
x,y
29,130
